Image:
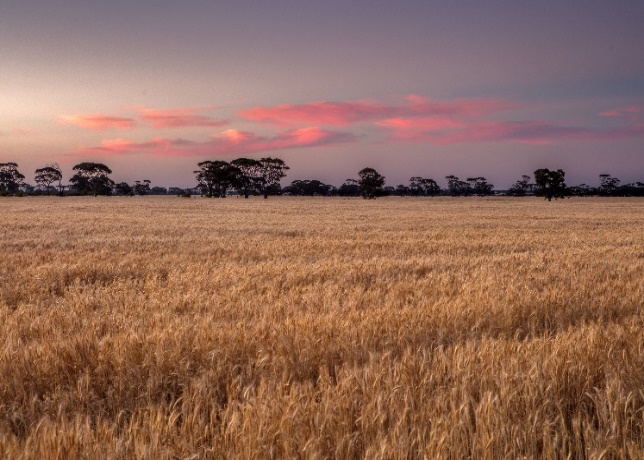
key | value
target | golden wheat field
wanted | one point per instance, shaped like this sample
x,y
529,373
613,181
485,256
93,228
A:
x,y
398,328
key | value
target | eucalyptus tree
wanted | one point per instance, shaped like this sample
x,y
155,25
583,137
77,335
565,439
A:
x,y
420,186
92,178
479,186
10,178
403,190
458,187
309,187
123,188
141,187
522,187
608,185
371,183
349,188
270,173
215,177
48,175
248,176
158,190
550,184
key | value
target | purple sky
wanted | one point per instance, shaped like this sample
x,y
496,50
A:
x,y
486,88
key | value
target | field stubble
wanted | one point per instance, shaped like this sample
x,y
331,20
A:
x,y
321,328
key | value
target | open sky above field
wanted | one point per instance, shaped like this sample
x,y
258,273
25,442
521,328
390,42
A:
x,y
492,88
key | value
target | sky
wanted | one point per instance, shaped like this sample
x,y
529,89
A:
x,y
493,88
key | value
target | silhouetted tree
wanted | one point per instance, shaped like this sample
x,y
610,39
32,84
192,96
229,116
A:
x,y
608,186
633,189
457,187
388,190
522,187
123,188
274,190
176,191
48,175
419,186
249,175
415,187
27,189
10,178
308,187
581,190
371,183
550,184
479,186
215,177
402,190
141,187
92,178
270,173
158,191
206,179
349,188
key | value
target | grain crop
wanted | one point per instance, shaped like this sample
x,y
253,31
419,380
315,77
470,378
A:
x,y
397,328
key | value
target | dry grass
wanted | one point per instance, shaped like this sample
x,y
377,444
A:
x,y
321,328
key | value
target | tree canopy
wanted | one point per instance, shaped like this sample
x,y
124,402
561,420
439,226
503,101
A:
x,y
48,175
521,187
247,177
420,186
309,187
215,177
550,184
10,178
92,179
270,173
371,183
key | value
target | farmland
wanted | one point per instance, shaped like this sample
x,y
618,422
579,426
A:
x,y
164,327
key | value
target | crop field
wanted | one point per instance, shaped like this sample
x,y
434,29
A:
x,y
397,328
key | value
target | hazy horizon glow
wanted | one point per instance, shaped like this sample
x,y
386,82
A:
x,y
411,89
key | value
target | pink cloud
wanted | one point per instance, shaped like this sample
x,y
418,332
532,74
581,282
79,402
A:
x,y
464,120
318,113
97,122
116,146
627,111
418,119
526,132
419,106
235,136
227,143
179,118
345,113
631,113
409,128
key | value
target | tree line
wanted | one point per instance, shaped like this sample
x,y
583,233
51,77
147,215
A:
x,y
246,177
